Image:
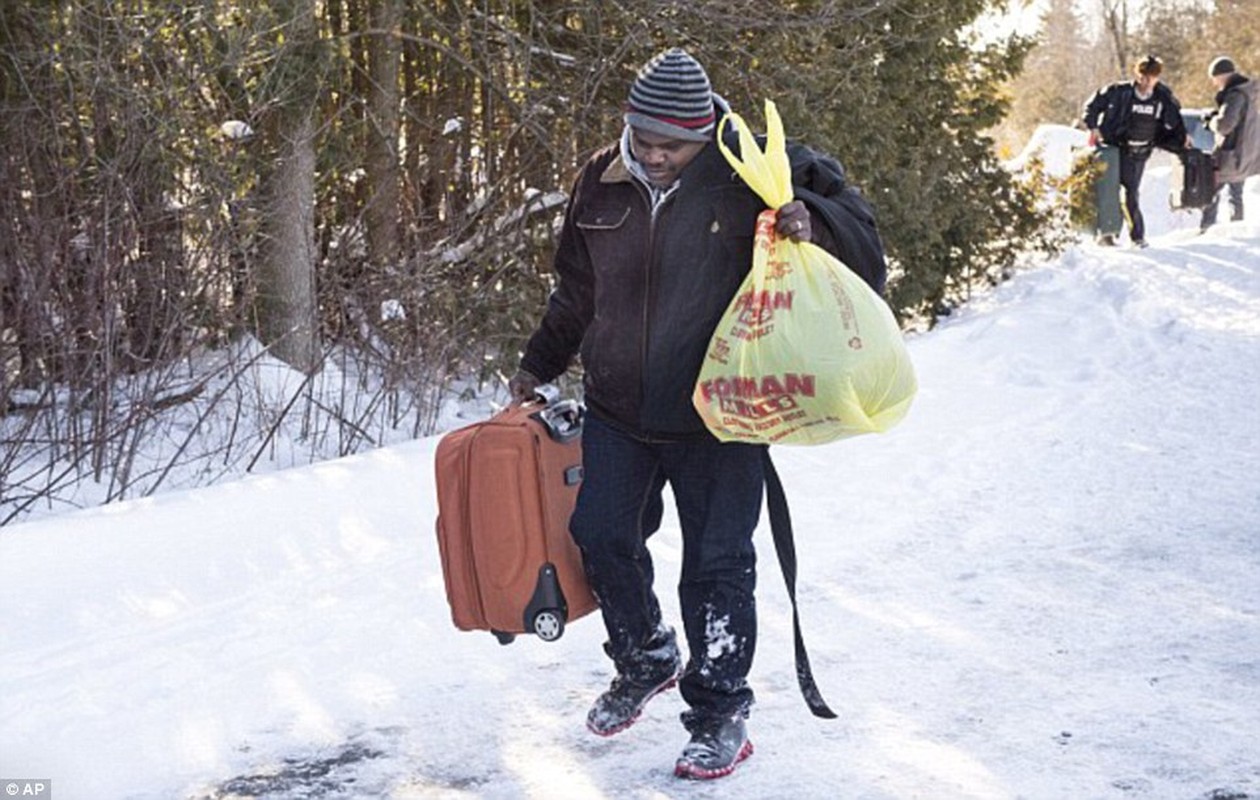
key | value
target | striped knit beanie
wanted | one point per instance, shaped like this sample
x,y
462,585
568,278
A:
x,y
672,96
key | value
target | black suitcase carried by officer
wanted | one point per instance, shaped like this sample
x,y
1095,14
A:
x,y
1193,180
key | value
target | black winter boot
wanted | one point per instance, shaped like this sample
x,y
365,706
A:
x,y
620,706
640,677
717,746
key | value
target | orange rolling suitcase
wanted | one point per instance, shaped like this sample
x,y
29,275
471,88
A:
x,y
506,488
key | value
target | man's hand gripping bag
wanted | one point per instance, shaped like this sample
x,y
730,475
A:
x,y
806,353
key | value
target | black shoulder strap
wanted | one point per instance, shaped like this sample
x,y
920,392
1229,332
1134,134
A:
x,y
781,528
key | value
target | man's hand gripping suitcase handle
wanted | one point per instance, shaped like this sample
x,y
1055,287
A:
x,y
561,418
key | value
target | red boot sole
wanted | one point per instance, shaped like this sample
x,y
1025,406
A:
x,y
693,772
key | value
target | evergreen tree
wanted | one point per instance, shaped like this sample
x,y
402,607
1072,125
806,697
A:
x,y
904,95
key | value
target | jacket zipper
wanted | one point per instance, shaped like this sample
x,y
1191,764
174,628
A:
x,y
646,195
653,211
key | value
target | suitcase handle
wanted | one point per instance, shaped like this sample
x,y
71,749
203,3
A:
x,y
546,393
562,420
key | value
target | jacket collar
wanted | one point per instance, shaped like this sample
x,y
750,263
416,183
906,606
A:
x,y
1160,92
709,166
1233,83
616,172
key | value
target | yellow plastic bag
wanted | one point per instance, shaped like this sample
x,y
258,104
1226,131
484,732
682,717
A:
x,y
806,353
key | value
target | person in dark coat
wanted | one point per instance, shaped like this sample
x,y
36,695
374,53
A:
x,y
656,240
1136,116
1236,124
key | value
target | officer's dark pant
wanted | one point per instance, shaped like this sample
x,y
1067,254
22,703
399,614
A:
x,y
1132,165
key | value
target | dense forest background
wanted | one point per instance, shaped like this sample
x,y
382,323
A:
x,y
369,189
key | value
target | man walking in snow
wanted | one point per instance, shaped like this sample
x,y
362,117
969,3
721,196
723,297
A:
x,y
657,238
1136,116
1236,124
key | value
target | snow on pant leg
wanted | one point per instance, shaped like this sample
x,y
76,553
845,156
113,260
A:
x,y
718,489
1131,168
1235,191
1235,201
1210,210
618,507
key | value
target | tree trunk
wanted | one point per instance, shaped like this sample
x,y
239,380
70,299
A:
x,y
1116,13
383,174
287,319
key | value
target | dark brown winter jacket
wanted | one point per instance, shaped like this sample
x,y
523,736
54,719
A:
x,y
639,297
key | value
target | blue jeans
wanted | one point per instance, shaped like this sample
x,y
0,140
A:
x,y
717,490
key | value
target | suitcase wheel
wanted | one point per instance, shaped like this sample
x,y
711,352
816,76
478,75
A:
x,y
547,610
548,624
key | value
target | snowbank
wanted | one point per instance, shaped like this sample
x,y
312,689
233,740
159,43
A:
x,y
1055,146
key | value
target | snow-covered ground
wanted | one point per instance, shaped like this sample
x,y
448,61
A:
x,y
1043,584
